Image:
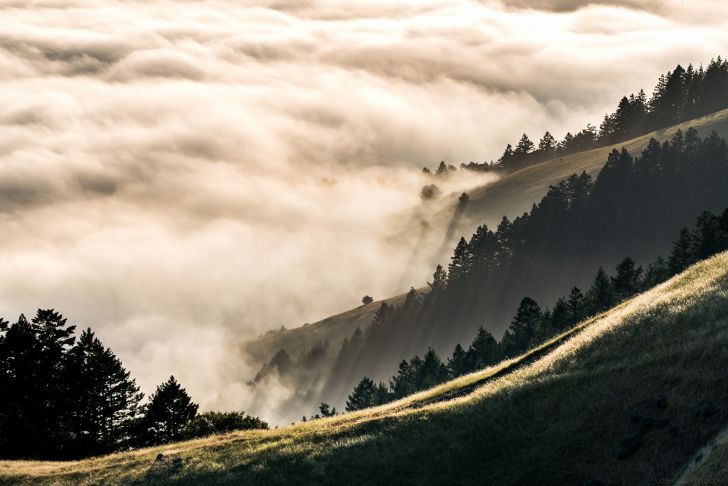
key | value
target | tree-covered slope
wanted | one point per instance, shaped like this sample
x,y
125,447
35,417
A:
x,y
511,195
628,397
515,192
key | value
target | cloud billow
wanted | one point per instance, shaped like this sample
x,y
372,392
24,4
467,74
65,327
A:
x,y
177,174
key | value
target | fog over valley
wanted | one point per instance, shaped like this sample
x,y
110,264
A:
x,y
185,176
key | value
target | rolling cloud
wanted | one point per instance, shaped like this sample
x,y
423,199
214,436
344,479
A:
x,y
181,176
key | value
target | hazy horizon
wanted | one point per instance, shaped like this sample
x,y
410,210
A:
x,y
181,179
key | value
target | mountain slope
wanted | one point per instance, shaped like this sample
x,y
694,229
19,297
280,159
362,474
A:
x,y
516,192
299,339
511,195
628,397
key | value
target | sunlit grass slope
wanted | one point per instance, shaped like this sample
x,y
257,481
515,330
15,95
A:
x,y
629,397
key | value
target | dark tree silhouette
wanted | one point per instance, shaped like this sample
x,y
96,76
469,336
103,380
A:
x,y
628,280
458,364
362,396
600,296
577,306
209,423
683,252
431,372
34,383
326,410
483,351
105,399
169,410
521,332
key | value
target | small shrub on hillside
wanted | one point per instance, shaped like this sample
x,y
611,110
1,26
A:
x,y
209,423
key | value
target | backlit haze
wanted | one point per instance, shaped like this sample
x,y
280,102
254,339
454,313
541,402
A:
x,y
182,176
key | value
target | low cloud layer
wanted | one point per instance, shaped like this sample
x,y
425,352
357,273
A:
x,y
181,176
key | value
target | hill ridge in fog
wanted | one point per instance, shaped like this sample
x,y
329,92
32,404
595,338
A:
x,y
510,195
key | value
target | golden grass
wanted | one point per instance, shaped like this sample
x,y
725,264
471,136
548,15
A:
x,y
653,344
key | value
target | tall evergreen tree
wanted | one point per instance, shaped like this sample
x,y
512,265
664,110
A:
x,y
520,333
439,280
432,372
525,146
547,144
362,397
35,383
600,296
561,318
683,252
169,410
458,364
403,383
627,281
382,394
577,306
459,268
657,272
105,399
483,351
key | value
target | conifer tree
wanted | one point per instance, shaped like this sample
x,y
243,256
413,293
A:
x,y
683,252
326,410
577,306
105,399
561,318
403,383
520,333
32,410
657,272
525,146
410,299
600,295
362,397
432,371
382,394
483,351
169,410
459,267
507,157
458,364
547,144
439,280
18,362
627,281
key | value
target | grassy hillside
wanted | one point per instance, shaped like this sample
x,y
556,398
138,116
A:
x,y
517,191
628,397
709,465
299,339
510,195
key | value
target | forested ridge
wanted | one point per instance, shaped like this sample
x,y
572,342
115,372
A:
x,y
634,207
531,325
679,95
